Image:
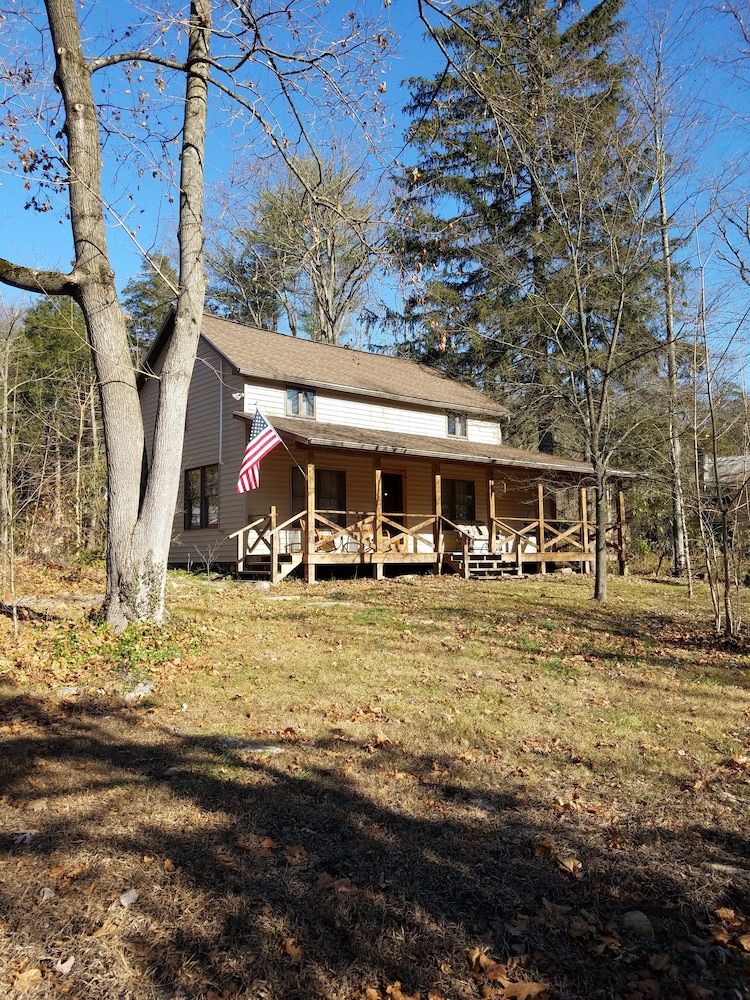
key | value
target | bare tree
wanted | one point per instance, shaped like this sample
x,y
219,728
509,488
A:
x,y
305,243
661,84
11,322
265,43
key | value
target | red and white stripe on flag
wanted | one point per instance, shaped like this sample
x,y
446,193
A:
x,y
263,438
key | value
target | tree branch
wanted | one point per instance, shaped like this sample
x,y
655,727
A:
x,y
30,279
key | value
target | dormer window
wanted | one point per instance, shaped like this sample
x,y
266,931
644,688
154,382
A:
x,y
457,425
300,403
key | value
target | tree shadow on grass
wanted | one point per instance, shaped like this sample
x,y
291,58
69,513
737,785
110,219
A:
x,y
326,870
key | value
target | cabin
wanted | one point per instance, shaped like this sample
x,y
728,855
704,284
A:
x,y
385,466
726,488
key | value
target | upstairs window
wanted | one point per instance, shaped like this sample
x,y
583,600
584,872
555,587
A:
x,y
457,425
202,497
300,403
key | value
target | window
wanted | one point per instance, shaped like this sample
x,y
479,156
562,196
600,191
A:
x,y
202,497
330,493
458,500
300,403
457,425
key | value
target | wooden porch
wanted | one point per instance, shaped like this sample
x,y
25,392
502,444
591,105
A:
x,y
270,549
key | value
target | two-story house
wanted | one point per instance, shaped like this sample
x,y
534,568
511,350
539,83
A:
x,y
385,464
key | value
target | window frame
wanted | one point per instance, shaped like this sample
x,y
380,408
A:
x,y
299,487
450,500
204,498
457,425
299,402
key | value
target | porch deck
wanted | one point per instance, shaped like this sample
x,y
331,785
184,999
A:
x,y
269,549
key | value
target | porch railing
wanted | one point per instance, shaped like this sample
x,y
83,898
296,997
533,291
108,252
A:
x,y
363,533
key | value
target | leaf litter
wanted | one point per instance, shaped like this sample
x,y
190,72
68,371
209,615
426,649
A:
x,y
431,842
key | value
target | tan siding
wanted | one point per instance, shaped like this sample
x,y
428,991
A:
x,y
419,488
519,499
275,488
149,396
211,435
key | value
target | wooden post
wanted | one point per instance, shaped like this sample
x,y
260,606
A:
x,y
378,539
310,541
491,512
274,546
438,540
540,533
621,550
519,555
584,511
241,552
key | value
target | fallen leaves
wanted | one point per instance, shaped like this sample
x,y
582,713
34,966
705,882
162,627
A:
x,y
296,855
486,966
25,980
571,866
638,923
737,762
292,949
23,836
396,993
732,930
129,897
487,969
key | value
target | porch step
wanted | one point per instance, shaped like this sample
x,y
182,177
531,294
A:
x,y
485,565
258,567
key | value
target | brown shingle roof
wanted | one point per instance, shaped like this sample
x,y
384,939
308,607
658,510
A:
x,y
310,433
280,358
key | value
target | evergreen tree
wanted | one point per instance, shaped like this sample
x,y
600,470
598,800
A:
x,y
147,298
58,471
477,235
528,214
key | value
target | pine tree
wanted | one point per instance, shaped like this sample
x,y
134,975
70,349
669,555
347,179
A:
x,y
477,235
147,298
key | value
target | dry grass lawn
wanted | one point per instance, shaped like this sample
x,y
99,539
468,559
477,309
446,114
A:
x,y
426,788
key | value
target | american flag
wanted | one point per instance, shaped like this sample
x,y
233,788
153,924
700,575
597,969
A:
x,y
263,438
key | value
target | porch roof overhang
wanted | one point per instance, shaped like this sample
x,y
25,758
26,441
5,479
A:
x,y
311,434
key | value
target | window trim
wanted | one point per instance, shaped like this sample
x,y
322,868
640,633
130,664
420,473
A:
x,y
203,499
298,401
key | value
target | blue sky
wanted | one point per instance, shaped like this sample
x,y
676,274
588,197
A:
x,y
143,203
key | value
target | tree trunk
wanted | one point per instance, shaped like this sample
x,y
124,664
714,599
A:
x,y
137,536
137,581
92,529
5,467
675,443
600,513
